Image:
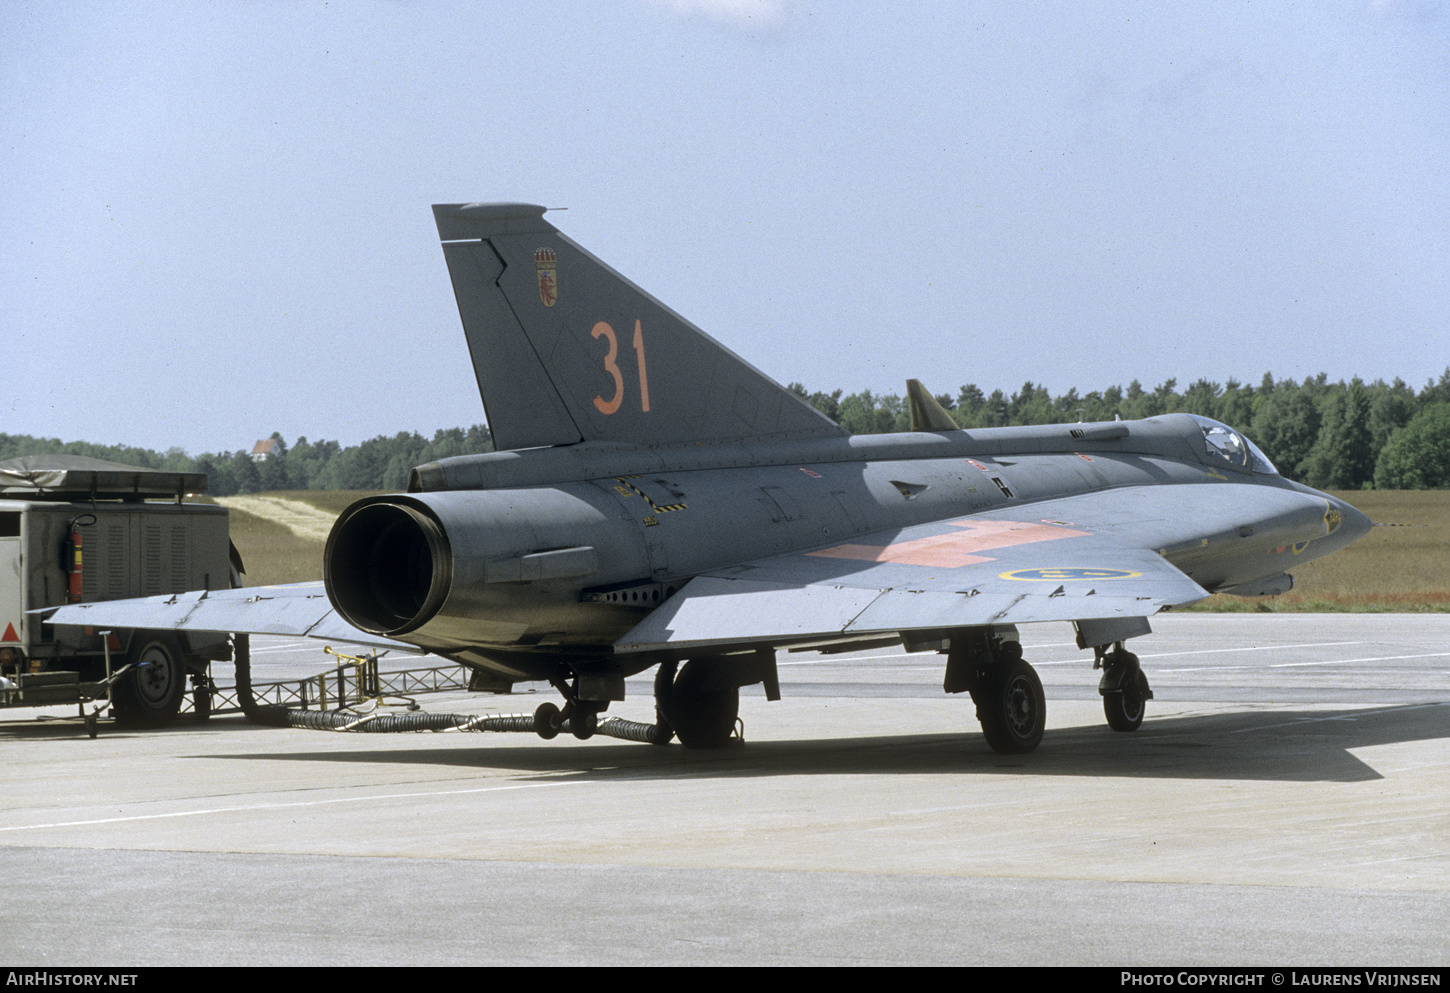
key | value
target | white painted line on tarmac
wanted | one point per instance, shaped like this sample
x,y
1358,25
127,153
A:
x,y
1302,665
289,647
1256,648
279,806
1380,658
1348,715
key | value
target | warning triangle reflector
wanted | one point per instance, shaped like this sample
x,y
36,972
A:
x,y
10,634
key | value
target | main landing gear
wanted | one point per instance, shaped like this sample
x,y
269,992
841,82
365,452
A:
x,y
701,705
1010,703
698,703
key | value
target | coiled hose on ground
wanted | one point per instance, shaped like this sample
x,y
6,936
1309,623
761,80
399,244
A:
x,y
338,720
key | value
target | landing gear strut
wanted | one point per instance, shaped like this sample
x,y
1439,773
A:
x,y
1010,703
1124,688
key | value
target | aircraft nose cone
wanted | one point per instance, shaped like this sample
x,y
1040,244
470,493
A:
x,y
1353,525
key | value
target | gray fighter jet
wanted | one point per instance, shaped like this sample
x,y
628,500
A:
x,y
656,501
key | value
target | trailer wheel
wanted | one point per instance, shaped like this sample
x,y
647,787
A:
x,y
150,695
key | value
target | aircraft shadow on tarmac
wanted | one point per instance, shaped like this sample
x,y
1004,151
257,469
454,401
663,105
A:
x,y
1278,745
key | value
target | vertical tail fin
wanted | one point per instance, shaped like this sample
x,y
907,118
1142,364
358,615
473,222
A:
x,y
566,349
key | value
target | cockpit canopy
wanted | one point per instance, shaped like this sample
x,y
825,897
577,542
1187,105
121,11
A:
x,y
1222,441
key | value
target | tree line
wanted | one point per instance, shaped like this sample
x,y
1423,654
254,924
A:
x,y
1329,435
380,463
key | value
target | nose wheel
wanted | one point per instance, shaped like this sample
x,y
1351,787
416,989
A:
x,y
1124,709
1124,689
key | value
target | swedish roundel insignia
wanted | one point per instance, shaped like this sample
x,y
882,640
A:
x,y
548,265
1064,575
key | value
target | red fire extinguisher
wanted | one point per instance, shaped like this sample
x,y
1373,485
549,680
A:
x,y
73,565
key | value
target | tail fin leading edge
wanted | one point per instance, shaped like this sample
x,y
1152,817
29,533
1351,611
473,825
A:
x,y
566,349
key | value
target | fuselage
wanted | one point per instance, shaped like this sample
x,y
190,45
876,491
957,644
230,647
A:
x,y
520,560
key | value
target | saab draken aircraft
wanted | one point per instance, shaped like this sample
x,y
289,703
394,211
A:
x,y
657,501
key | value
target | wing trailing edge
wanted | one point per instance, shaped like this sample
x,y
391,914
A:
x,y
724,613
299,609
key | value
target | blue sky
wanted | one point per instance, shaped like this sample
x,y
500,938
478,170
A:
x,y
217,223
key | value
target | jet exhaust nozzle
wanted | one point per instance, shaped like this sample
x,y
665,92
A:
x,y
388,566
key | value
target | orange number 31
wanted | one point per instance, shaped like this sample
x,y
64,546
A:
x,y
606,407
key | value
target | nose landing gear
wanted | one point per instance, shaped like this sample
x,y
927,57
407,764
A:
x,y
1124,688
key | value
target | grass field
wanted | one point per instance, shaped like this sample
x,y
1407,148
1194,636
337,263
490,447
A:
x,y
272,553
1401,565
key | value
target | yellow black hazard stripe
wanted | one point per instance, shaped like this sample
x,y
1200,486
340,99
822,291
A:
x,y
658,508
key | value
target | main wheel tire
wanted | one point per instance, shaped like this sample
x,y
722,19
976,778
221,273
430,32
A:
x,y
1012,708
150,695
703,706
664,693
1124,710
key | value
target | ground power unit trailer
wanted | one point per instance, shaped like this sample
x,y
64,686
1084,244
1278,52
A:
x,y
81,530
